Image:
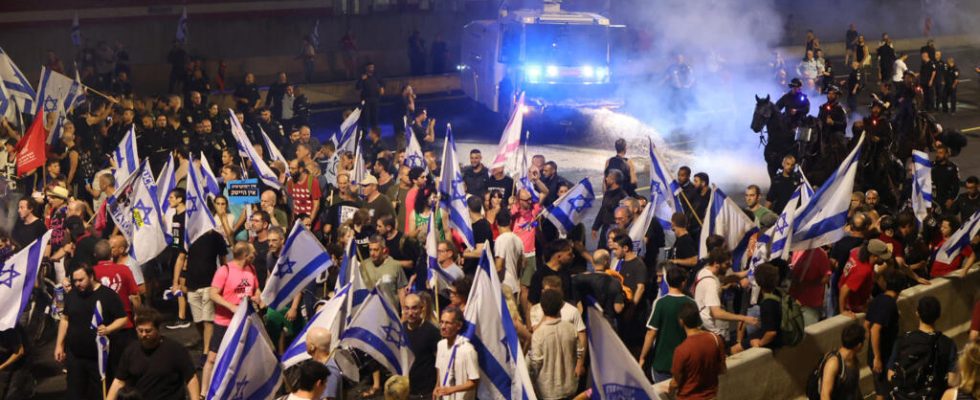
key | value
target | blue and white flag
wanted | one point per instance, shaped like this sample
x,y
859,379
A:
x,y
166,182
921,184
274,153
57,95
781,234
209,181
822,219
807,191
359,172
347,140
301,260
350,274
8,108
956,242
245,149
376,330
16,84
725,218
454,191
101,341
330,317
664,189
664,287
413,150
17,276
246,366
568,210
491,331
523,181
135,209
126,156
315,35
76,32
438,278
615,372
638,230
197,218
181,34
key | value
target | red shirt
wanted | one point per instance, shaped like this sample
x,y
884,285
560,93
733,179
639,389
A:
x,y
943,269
120,279
809,269
858,277
303,195
697,362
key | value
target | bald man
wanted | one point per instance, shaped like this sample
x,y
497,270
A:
x,y
423,340
268,202
120,255
318,341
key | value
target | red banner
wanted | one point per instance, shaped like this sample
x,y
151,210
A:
x,y
31,151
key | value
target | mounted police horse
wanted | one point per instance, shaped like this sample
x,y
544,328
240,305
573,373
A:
x,y
817,153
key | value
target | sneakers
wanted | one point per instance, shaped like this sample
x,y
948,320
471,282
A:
x,y
179,324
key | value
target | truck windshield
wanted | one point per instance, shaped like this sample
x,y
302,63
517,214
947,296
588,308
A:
x,y
566,44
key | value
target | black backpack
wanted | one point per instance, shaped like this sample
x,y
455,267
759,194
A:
x,y
918,373
815,381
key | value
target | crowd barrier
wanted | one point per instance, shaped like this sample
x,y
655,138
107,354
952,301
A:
x,y
763,374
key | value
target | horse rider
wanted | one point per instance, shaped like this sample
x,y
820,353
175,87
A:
x,y
832,115
794,104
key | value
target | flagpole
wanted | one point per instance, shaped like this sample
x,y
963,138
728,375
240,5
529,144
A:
x,y
693,211
107,97
103,389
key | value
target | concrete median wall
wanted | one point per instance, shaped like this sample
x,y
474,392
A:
x,y
761,374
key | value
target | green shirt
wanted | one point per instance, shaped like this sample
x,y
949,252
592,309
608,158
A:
x,y
388,278
669,331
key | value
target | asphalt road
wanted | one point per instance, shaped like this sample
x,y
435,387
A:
x,y
477,128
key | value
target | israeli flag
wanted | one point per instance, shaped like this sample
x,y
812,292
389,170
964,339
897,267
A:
x,y
181,35
376,330
568,211
101,342
246,366
301,260
347,140
7,107
17,276
921,184
638,230
413,151
197,218
761,252
952,247
525,182
510,140
725,218
76,32
149,238
454,191
57,95
245,149
822,219
359,172
438,277
781,233
664,189
490,329
329,317
807,191
208,179
16,84
350,273
274,153
125,156
615,372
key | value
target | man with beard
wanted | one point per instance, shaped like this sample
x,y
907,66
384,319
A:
x,y
76,342
157,366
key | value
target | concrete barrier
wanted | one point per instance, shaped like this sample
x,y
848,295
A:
x,y
761,374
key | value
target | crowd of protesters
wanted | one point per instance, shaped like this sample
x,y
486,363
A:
x,y
682,333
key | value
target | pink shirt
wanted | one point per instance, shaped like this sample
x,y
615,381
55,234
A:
x,y
524,225
234,283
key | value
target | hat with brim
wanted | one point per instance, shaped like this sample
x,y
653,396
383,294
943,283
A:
x,y
58,192
368,180
795,83
880,249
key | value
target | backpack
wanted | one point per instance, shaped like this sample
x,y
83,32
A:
x,y
791,328
917,371
815,381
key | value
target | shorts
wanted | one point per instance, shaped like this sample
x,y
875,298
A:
x,y
202,308
882,386
217,334
528,272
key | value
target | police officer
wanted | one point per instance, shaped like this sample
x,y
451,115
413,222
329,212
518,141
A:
x,y
794,103
832,116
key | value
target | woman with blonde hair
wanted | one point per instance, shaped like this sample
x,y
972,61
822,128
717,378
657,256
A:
x,y
969,387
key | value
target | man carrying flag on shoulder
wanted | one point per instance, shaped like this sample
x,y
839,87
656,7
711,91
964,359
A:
x,y
77,337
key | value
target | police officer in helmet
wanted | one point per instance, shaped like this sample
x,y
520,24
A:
x,y
794,104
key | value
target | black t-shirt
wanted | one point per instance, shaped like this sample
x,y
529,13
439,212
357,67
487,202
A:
x,y
423,342
159,374
685,247
23,234
842,249
79,310
11,341
534,292
605,289
883,310
84,252
780,192
202,260
482,232
177,231
505,186
370,88
770,319
401,248
260,263
361,239
476,182
634,272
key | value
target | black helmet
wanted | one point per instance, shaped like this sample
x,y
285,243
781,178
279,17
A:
x,y
833,88
795,83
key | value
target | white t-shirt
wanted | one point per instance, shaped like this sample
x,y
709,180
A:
x,y
900,69
569,313
706,295
510,248
464,366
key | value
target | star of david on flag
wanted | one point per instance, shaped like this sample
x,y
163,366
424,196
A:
x,y
376,330
301,260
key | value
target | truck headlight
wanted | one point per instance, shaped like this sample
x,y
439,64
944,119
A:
x,y
532,72
552,71
587,72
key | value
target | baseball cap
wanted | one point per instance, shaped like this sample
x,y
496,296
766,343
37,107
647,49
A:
x,y
880,249
369,180
795,83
